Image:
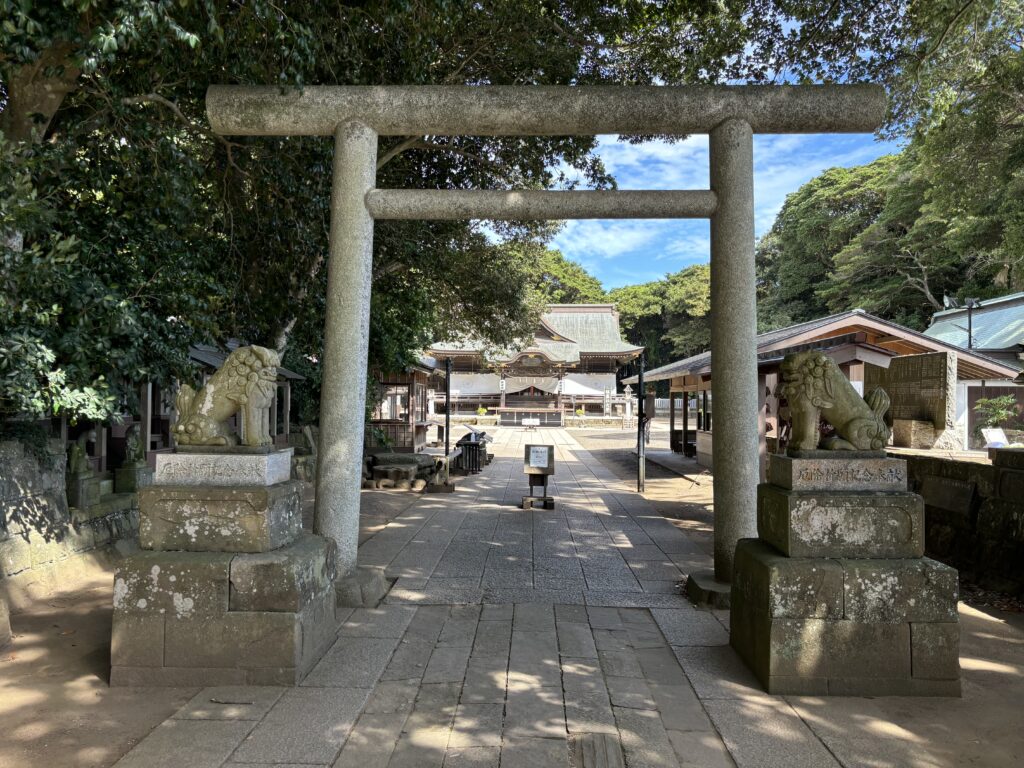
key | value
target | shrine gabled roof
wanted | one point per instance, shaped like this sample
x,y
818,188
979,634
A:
x,y
565,332
977,365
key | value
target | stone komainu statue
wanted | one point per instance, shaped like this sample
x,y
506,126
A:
x,y
245,385
816,389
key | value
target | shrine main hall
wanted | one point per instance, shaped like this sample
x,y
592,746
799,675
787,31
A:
x,y
570,364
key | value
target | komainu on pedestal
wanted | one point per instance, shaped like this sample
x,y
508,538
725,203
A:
x,y
229,590
835,596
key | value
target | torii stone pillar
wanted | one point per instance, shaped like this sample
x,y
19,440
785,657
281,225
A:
x,y
355,116
346,329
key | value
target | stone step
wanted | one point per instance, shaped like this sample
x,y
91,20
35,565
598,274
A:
x,y
596,750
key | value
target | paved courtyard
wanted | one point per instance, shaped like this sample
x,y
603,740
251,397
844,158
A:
x,y
518,638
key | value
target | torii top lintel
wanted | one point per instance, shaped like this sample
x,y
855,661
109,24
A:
x,y
399,110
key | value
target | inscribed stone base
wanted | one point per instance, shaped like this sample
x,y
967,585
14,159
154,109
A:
x,y
834,473
216,519
131,479
192,618
891,630
224,469
841,524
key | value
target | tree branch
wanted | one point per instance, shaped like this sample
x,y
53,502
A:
x,y
156,98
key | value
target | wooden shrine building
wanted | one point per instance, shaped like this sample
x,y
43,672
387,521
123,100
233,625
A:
x,y
569,364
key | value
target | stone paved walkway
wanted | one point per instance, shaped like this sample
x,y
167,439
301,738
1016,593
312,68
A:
x,y
509,634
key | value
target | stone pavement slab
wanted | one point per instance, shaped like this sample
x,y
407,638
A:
x,y
195,743
308,725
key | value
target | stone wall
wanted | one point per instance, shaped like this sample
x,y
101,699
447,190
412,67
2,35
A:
x,y
974,518
43,543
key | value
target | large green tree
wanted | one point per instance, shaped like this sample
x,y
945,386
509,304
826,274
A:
x,y
943,217
670,317
158,233
559,280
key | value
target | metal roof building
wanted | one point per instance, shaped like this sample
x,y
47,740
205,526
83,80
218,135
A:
x,y
996,328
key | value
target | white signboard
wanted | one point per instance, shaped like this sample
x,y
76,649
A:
x,y
501,385
994,438
539,456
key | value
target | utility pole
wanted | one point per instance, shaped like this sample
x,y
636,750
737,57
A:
x,y
641,448
447,406
971,304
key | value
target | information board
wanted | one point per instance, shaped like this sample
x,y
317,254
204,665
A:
x,y
539,456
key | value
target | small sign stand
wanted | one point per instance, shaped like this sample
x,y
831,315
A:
x,y
531,423
539,464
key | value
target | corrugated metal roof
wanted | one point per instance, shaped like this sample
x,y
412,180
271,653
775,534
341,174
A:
x,y
995,324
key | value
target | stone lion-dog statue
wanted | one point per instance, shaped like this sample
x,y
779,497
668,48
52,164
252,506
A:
x,y
816,389
244,385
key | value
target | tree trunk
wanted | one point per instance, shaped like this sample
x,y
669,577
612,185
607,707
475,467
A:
x,y
36,90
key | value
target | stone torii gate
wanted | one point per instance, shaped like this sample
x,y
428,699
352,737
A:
x,y
356,116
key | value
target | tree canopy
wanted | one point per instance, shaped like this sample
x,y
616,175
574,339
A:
x,y
129,230
944,217
670,317
559,280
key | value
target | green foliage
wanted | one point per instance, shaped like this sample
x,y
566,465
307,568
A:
x,y
944,216
816,222
171,235
997,411
670,317
131,231
562,281
481,411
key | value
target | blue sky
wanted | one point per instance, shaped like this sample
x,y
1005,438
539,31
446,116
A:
x,y
623,252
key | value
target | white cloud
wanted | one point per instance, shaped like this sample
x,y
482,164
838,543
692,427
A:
x,y
631,251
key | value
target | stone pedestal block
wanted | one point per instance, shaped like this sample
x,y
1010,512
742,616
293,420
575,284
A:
x,y
822,626
913,433
83,491
224,469
1009,484
218,519
286,579
837,473
1010,458
131,479
217,618
841,524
